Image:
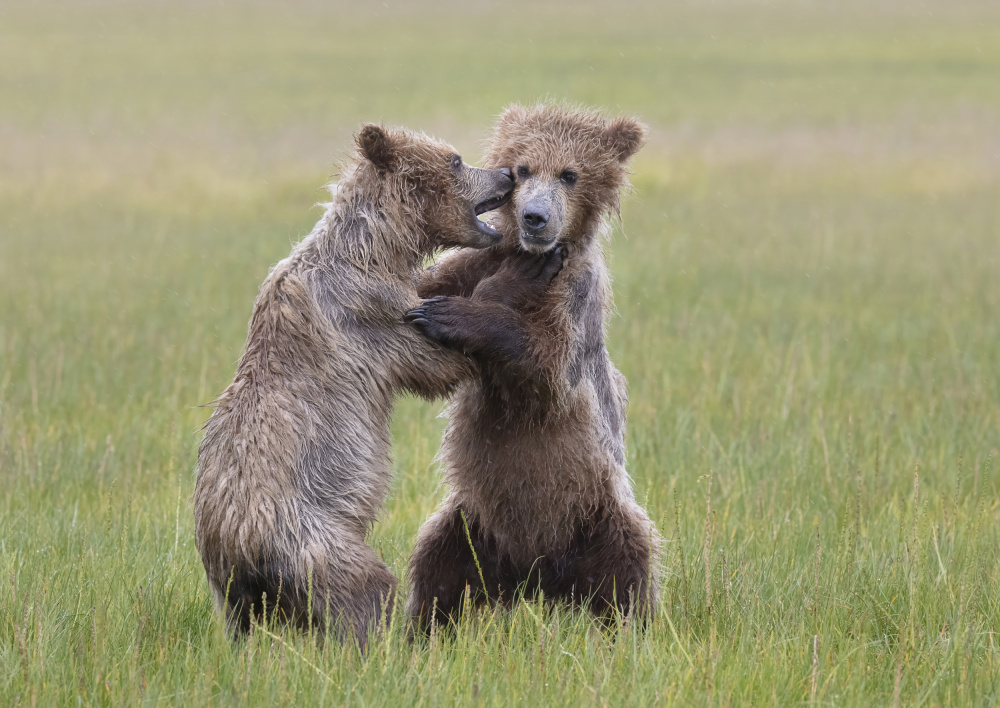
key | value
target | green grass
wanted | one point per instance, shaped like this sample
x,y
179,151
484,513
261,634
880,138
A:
x,y
809,318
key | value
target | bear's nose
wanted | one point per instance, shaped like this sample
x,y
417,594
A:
x,y
535,219
505,171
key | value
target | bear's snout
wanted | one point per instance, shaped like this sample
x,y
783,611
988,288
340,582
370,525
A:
x,y
535,217
540,214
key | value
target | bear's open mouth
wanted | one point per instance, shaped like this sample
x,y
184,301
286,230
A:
x,y
488,205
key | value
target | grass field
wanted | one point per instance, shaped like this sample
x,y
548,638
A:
x,y
808,294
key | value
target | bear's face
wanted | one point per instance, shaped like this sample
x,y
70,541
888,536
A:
x,y
446,194
569,166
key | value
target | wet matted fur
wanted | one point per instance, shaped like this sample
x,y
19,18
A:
x,y
294,465
534,452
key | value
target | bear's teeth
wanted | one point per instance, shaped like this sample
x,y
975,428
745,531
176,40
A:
x,y
485,226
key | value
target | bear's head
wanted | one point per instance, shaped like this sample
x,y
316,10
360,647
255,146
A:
x,y
570,166
433,186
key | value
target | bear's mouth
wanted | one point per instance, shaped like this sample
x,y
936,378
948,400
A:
x,y
488,205
536,244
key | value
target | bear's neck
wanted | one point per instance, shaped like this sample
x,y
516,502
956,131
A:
x,y
359,230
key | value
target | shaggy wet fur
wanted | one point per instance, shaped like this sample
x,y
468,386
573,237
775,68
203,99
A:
x,y
534,451
294,466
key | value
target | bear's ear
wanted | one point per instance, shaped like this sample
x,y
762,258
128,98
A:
x,y
510,121
511,114
624,137
377,147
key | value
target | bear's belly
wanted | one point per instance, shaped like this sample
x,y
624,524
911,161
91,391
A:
x,y
532,489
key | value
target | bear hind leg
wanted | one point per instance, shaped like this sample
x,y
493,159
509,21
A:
x,y
347,596
444,567
263,593
614,567
353,597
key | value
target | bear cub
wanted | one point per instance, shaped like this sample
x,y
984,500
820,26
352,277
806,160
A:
x,y
534,451
294,466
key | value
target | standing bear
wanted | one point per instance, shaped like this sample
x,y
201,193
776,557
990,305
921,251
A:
x,y
534,451
294,465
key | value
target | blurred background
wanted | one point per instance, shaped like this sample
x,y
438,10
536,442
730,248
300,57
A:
x,y
806,274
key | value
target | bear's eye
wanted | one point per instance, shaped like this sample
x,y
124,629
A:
x,y
523,172
569,177
456,162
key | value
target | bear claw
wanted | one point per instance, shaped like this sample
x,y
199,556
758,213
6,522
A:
x,y
428,318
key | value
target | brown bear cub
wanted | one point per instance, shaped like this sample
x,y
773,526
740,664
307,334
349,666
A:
x,y
294,466
534,452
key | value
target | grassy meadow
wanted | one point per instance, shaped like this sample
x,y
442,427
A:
x,y
807,280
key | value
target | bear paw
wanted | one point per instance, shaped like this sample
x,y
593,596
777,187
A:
x,y
438,319
539,269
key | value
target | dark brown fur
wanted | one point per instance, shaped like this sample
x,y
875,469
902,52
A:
x,y
294,466
534,452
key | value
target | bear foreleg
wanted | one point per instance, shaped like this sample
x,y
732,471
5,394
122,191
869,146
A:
x,y
459,273
521,280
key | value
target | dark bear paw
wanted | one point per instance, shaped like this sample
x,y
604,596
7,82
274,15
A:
x,y
438,319
522,278
539,269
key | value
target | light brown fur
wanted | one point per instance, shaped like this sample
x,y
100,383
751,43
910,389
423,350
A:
x,y
294,466
534,451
